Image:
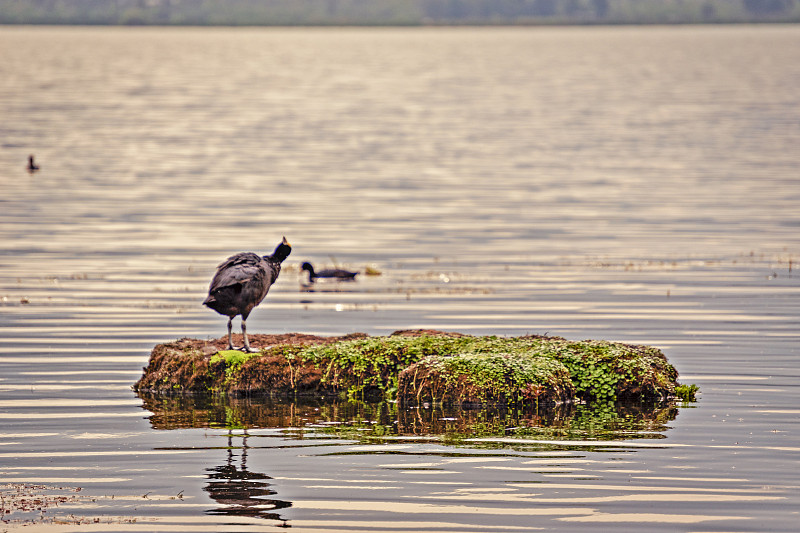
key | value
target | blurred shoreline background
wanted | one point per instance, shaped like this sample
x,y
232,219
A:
x,y
395,12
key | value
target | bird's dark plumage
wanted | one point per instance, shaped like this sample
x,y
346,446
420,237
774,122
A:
x,y
32,167
331,273
242,282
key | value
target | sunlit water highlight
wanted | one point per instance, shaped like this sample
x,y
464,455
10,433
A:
x,y
631,184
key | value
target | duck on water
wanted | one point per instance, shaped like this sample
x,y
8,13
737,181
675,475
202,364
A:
x,y
329,273
241,283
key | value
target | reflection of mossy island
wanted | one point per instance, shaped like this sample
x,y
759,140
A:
x,y
374,422
416,367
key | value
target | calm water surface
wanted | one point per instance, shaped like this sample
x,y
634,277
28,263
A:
x,y
631,184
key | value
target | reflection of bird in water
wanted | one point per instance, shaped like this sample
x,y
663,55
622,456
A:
x,y
241,492
329,273
32,167
241,282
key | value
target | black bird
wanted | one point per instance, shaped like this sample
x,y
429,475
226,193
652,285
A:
x,y
241,282
32,167
332,273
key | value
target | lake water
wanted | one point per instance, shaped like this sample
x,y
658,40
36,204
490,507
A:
x,y
630,184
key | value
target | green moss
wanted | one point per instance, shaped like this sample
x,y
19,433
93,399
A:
x,y
232,361
687,393
371,364
512,368
605,371
433,367
500,372
484,377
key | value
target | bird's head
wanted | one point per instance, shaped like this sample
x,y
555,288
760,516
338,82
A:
x,y
282,251
307,266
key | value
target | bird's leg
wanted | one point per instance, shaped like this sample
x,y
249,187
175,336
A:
x,y
246,347
230,337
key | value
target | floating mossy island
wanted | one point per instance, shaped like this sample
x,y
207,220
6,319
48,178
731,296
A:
x,y
416,367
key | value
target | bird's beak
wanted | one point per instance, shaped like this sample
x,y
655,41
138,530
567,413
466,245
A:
x,y
286,242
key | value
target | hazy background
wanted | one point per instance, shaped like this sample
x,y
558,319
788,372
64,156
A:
x,y
394,12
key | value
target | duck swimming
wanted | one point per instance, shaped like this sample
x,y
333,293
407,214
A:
x,y
241,283
329,273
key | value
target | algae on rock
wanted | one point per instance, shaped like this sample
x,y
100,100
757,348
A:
x,y
507,370
486,378
417,367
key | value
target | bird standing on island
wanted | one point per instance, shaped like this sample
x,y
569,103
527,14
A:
x,y
32,167
330,273
241,282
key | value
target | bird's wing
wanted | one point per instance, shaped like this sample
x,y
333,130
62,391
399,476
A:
x,y
242,258
237,269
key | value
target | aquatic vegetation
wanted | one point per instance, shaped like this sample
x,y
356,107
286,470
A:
x,y
687,393
606,371
371,365
486,378
598,370
232,361
417,367
372,270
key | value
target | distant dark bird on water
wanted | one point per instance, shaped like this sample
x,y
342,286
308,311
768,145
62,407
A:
x,y
241,282
330,273
32,167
